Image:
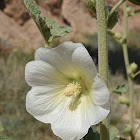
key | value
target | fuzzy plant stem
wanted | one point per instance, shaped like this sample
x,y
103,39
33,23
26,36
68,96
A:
x,y
102,58
130,79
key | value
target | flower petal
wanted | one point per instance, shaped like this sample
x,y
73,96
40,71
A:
x,y
49,106
67,124
100,92
64,60
84,63
40,101
39,73
70,125
95,113
59,56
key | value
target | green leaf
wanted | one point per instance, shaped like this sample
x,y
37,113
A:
x,y
1,128
137,2
4,138
91,135
113,132
47,26
120,89
111,20
91,4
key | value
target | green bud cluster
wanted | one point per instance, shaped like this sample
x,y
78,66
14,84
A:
x,y
117,36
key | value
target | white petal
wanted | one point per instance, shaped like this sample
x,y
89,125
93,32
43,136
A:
x,y
84,63
39,73
70,125
100,92
50,106
61,58
40,101
95,113
49,55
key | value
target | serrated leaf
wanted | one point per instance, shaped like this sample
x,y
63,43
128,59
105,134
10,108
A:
x,y
113,132
120,89
4,138
91,135
47,26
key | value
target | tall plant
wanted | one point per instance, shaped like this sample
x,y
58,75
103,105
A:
x,y
81,65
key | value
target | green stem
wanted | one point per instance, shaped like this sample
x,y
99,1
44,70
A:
x,y
102,58
137,129
47,44
136,74
116,6
134,12
130,80
137,11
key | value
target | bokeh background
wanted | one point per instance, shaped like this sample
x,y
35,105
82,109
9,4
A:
x,y
19,38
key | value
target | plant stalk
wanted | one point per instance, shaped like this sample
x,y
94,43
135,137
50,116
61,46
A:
x,y
130,79
47,44
102,58
116,6
136,74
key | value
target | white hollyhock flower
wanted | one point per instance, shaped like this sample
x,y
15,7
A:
x,y
66,90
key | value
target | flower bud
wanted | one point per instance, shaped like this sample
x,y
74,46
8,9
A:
x,y
91,4
118,35
133,67
137,2
128,10
129,71
111,20
123,100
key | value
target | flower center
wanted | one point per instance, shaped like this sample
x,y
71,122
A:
x,y
73,89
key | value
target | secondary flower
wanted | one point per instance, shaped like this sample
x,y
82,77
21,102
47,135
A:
x,y
66,90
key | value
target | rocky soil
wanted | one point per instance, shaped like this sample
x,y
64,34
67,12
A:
x,y
19,30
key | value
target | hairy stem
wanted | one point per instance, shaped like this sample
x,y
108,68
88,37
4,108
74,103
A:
x,y
102,58
130,80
